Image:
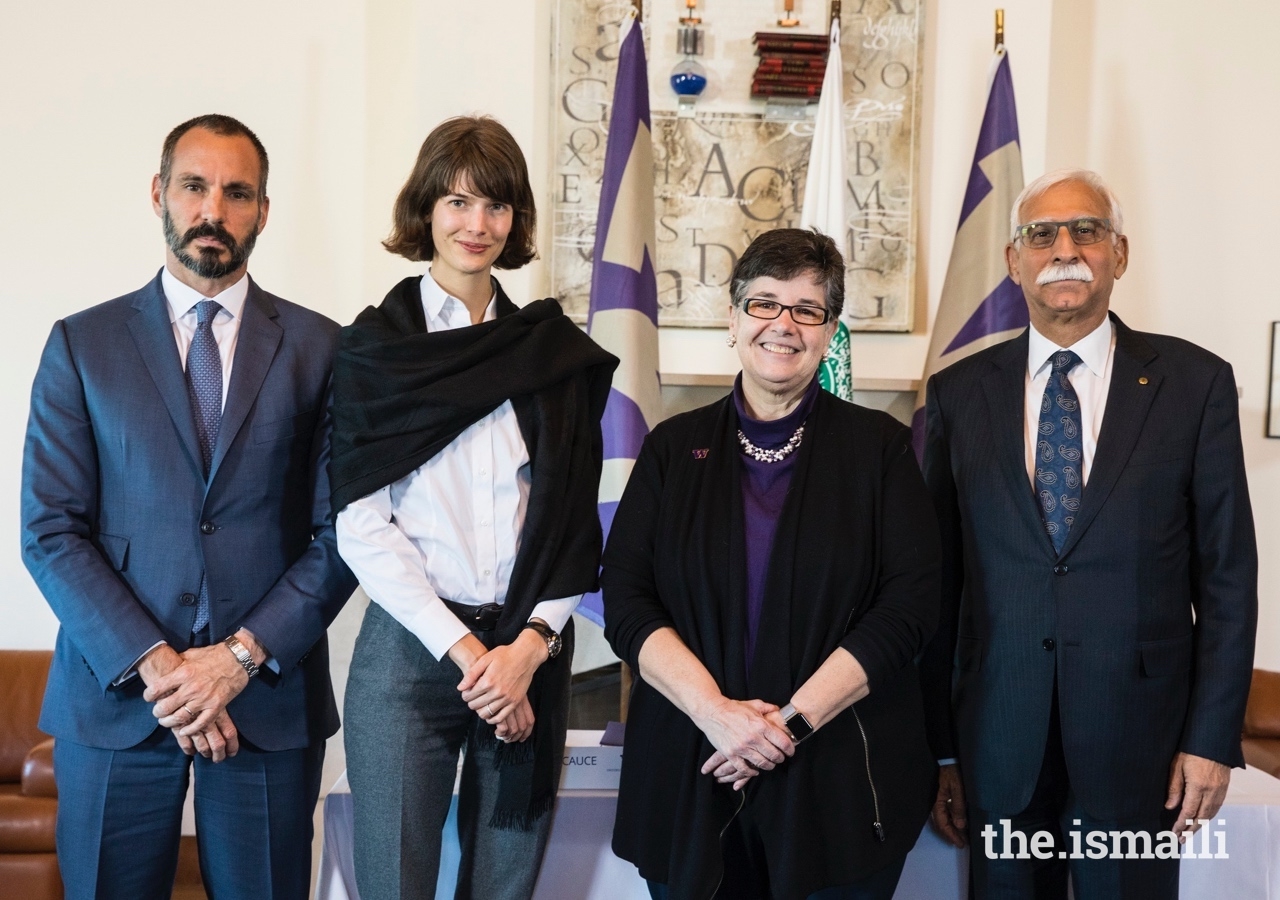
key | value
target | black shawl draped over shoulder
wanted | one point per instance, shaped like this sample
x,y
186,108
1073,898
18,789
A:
x,y
854,565
401,394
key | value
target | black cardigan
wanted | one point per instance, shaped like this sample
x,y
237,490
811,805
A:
x,y
854,564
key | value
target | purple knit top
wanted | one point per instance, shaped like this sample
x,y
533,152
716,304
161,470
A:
x,y
764,490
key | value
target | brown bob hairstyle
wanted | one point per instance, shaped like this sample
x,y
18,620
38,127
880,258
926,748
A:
x,y
478,153
786,253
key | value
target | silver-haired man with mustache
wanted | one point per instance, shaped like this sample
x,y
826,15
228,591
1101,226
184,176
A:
x,y
1087,683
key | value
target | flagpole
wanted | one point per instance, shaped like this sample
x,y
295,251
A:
x,y
639,5
999,29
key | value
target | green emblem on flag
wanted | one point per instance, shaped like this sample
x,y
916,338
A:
x,y
836,372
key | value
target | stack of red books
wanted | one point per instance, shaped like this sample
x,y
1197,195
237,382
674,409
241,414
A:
x,y
791,65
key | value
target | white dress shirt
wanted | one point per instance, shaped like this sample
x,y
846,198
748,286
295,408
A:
x,y
452,527
226,324
1091,378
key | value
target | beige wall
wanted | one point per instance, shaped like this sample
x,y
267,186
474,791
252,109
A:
x,y
1174,105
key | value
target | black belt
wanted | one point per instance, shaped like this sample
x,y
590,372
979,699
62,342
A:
x,y
476,618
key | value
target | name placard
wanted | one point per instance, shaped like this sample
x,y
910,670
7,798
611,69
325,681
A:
x,y
587,765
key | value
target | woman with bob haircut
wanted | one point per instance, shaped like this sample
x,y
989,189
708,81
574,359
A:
x,y
771,574
465,465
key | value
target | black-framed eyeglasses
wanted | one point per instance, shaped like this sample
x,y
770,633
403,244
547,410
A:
x,y
801,314
1084,231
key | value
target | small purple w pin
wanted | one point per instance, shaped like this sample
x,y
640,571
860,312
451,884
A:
x,y
701,454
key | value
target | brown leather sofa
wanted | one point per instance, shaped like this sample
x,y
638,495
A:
x,y
1262,722
28,798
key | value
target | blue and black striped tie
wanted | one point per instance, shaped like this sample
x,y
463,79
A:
x,y
1059,451
204,386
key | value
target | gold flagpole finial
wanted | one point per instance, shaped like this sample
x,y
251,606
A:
x,y
835,11
999,28
639,5
690,7
788,19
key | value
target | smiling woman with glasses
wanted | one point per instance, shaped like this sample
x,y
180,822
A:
x,y
771,573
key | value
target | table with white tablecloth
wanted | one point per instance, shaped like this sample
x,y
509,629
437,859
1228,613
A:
x,y
1249,827
579,864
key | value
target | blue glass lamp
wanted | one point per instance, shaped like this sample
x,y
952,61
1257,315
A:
x,y
688,76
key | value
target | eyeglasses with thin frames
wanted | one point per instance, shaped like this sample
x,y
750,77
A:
x,y
1084,231
801,314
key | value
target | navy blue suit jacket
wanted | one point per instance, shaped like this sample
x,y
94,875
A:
x,y
1146,618
118,522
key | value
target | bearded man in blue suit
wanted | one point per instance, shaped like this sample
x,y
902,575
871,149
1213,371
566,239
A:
x,y
175,515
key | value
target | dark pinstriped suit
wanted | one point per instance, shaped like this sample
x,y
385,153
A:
x,y
1146,619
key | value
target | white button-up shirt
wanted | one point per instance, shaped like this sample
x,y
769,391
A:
x,y
226,324
1091,378
452,527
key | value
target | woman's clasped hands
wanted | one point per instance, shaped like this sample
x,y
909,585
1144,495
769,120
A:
x,y
749,737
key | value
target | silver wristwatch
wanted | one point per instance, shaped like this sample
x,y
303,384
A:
x,y
797,725
242,655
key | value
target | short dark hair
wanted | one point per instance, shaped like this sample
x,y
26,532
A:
x,y
785,253
481,151
223,125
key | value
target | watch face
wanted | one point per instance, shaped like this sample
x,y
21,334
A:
x,y
553,646
799,726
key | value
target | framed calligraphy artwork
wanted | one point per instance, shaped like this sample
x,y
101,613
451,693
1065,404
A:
x,y
736,167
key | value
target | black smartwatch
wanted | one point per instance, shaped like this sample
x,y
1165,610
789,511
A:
x,y
797,725
550,636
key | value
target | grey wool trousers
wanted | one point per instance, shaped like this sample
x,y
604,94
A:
x,y
405,725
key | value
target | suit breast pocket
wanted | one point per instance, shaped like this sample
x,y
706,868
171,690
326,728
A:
x,y
1155,456
287,427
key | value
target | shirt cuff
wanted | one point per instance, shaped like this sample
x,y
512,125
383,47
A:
x,y
437,628
556,613
946,762
133,669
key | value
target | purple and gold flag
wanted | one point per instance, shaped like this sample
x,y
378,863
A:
x,y
624,289
980,305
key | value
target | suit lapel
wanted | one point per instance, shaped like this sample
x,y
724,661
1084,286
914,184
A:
x,y
1128,402
153,334
1005,386
256,346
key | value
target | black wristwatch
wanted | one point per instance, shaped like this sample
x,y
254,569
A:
x,y
797,725
551,637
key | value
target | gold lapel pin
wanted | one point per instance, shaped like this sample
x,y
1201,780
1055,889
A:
x,y
1142,379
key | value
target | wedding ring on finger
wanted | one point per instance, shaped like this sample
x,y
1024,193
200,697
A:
x,y
190,714
489,707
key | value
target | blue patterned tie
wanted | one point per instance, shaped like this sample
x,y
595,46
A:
x,y
1059,451
204,386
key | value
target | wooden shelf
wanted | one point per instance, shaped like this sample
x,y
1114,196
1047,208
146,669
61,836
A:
x,y
696,379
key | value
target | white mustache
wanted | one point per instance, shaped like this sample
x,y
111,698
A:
x,y
1072,272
